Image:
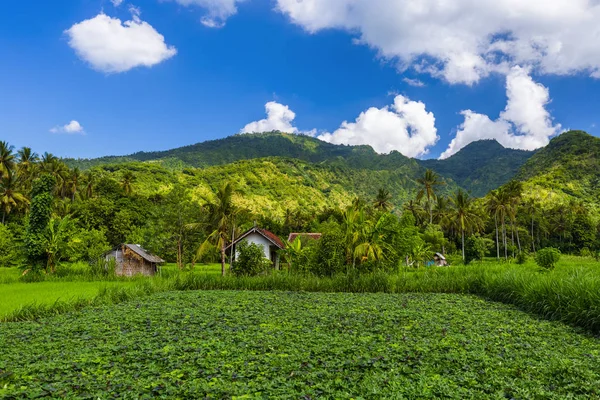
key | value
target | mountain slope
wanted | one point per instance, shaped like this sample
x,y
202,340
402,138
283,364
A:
x,y
480,166
271,186
569,165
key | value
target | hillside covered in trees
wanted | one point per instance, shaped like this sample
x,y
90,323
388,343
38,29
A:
x,y
373,205
477,168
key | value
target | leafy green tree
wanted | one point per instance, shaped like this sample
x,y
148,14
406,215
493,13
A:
x,y
372,242
10,196
429,182
476,248
464,215
250,260
434,237
547,257
9,256
87,245
56,241
39,217
127,181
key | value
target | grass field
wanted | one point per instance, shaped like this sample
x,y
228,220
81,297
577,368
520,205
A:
x,y
224,344
69,286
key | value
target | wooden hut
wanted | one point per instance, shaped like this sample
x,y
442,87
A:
x,y
131,259
439,260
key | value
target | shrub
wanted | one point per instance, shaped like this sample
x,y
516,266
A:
x,y
250,260
521,257
476,248
8,248
547,258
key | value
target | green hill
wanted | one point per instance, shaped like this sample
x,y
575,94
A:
x,y
569,167
480,166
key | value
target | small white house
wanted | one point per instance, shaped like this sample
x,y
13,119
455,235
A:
x,y
270,243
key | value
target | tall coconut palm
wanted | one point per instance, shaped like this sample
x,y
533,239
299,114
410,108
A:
x,y
416,209
382,201
126,182
221,213
7,158
10,197
429,182
89,180
493,206
464,215
74,181
514,190
27,162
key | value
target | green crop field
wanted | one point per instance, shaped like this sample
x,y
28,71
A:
x,y
17,295
223,344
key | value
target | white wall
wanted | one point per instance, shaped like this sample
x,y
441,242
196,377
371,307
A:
x,y
260,241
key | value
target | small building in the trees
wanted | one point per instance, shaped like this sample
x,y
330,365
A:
x,y
313,236
439,260
270,243
131,259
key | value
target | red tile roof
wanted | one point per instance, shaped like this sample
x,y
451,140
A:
x,y
272,237
294,236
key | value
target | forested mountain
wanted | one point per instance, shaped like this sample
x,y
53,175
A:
x,y
480,166
567,169
477,168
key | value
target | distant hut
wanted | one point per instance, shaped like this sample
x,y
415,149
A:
x,y
131,259
439,260
270,243
293,236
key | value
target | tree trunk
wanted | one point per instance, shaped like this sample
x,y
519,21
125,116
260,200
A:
x,y
518,239
504,238
463,243
532,237
223,259
3,217
179,254
497,241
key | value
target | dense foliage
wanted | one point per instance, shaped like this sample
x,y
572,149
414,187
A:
x,y
375,212
480,166
547,258
298,345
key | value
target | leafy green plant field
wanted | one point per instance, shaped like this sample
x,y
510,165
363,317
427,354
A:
x,y
222,344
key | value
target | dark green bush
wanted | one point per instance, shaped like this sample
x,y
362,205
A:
x,y
250,260
548,257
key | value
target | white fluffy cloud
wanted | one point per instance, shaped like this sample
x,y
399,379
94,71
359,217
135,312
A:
x,y
405,126
465,40
72,127
116,3
217,10
111,46
524,124
279,118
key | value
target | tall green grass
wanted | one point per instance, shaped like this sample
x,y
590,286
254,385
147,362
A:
x,y
571,293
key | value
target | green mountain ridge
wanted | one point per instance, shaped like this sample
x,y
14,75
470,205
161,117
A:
x,y
481,166
475,168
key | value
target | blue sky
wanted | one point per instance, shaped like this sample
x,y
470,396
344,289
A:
x,y
221,78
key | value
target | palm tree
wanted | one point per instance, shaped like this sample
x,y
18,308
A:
x,y
221,221
371,244
416,209
429,182
89,180
27,163
514,190
383,200
10,197
126,182
7,158
74,181
464,214
493,206
441,212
